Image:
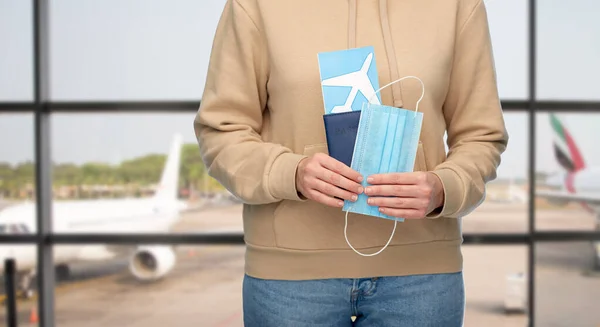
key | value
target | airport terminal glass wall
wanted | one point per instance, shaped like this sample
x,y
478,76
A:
x,y
119,83
114,50
567,58
566,157
17,167
567,286
124,155
504,210
510,43
202,286
16,69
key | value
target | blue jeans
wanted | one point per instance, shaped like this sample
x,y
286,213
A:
x,y
413,301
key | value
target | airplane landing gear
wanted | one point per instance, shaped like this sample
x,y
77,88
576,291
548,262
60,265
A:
x,y
25,281
25,287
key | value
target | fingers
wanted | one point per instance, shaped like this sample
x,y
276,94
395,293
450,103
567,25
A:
x,y
409,208
402,195
398,203
325,199
340,168
338,180
336,173
332,190
322,179
393,190
403,213
414,178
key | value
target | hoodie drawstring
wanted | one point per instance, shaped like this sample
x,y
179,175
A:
x,y
352,24
387,40
391,53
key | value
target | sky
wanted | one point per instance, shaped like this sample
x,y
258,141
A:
x,y
144,50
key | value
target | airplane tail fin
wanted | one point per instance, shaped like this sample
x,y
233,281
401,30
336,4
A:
x,y
169,182
566,151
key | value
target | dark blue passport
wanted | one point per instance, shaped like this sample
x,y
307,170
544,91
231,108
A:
x,y
340,130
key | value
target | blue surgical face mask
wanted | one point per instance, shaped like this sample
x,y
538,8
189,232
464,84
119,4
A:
x,y
386,142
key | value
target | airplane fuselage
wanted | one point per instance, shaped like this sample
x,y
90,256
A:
x,y
115,216
156,214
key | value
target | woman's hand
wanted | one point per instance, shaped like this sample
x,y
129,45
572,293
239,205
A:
x,y
322,178
405,195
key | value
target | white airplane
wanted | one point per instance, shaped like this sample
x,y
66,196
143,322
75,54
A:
x,y
147,215
578,183
359,81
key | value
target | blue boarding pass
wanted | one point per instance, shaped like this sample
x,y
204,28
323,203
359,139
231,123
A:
x,y
348,79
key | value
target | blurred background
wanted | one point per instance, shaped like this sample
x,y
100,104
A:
x,y
118,83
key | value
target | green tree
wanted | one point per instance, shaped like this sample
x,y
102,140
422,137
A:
x,y
192,167
7,180
145,170
24,174
98,173
137,172
67,174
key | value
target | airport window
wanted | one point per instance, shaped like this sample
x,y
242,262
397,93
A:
x,y
567,283
207,289
16,57
509,43
99,120
566,158
498,297
505,207
84,35
567,60
17,167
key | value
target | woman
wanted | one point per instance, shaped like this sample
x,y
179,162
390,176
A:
x,y
260,131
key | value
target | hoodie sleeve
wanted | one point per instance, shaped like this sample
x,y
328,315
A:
x,y
474,120
229,120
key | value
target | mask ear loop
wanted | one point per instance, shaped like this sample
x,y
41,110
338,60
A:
x,y
398,80
395,221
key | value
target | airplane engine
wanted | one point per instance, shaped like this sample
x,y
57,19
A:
x,y
150,263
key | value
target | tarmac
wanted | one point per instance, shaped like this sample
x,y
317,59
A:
x,y
204,289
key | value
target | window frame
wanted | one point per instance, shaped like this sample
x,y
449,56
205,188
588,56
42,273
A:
x,y
45,238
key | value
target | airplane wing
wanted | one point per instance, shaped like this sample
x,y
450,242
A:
x,y
366,88
342,80
592,199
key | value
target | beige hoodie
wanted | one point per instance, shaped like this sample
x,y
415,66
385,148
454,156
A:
x,y
261,113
